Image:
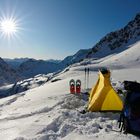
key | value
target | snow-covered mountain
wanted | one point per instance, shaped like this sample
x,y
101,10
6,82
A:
x,y
117,41
7,74
53,61
113,42
34,67
15,63
79,56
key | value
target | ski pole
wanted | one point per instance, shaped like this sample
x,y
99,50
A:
x,y
85,77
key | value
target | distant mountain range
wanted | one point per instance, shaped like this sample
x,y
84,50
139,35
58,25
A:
x,y
33,67
7,74
12,70
15,63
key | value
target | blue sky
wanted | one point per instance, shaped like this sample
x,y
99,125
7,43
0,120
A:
x,y
54,29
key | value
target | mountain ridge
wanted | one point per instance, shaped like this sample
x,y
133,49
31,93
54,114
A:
x,y
113,42
7,74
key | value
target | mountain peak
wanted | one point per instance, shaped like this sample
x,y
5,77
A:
x,y
137,16
117,40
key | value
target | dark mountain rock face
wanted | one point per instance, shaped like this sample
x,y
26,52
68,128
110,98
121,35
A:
x,y
7,74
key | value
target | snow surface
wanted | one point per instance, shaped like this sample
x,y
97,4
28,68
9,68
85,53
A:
x,y
24,85
50,112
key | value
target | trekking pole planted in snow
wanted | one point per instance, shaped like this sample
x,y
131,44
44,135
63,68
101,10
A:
x,y
85,77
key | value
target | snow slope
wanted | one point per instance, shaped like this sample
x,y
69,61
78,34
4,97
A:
x,y
23,85
126,59
49,112
130,58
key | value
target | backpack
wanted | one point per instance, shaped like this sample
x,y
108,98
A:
x,y
130,115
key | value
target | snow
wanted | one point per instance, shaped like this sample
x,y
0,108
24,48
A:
x,y
128,58
24,85
50,112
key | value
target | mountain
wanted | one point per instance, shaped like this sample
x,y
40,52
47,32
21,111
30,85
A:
x,y
113,42
53,61
117,41
15,63
34,67
28,67
7,74
80,55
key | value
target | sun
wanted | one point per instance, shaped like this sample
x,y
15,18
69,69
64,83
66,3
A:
x,y
8,26
11,26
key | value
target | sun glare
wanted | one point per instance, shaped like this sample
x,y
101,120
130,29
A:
x,y
8,27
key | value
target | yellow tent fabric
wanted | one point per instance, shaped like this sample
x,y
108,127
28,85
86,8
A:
x,y
103,97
